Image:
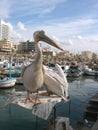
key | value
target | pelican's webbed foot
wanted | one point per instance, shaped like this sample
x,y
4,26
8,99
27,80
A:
x,y
28,100
36,101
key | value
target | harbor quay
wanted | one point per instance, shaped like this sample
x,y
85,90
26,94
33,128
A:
x,y
63,58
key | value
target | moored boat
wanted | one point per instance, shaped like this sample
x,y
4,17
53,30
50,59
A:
x,y
74,71
91,73
7,82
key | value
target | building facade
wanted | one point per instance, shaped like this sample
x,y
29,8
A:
x,y
6,45
26,46
87,54
4,30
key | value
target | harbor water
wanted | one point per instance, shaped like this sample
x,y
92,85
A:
x,y
18,118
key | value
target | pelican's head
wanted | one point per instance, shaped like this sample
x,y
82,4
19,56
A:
x,y
40,36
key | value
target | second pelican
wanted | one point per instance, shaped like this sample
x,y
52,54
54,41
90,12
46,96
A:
x,y
56,83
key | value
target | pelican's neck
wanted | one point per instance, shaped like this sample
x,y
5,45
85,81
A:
x,y
39,57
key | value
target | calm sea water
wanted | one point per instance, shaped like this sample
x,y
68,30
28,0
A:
x,y
18,118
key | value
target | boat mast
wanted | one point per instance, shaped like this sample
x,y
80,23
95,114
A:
x,y
10,62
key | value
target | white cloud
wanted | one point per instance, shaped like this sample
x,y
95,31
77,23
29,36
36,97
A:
x,y
16,37
56,38
64,30
27,8
11,27
21,27
79,37
70,42
83,44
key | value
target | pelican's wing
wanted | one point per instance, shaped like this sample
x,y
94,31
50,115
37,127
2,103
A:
x,y
56,76
65,82
60,78
53,74
61,73
54,83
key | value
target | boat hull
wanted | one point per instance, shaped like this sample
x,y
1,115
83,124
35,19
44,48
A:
x,y
91,73
8,83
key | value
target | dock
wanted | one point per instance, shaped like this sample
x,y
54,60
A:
x,y
91,112
42,110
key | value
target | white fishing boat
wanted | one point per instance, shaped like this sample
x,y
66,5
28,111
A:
x,y
15,72
91,72
2,62
16,68
7,82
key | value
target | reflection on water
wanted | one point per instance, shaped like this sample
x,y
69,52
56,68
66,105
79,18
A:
x,y
18,118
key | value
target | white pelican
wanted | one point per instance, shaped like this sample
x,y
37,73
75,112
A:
x,y
33,75
56,83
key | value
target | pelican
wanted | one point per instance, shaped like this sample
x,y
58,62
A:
x,y
33,74
56,83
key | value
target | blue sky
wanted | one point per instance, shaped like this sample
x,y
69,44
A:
x,y
72,23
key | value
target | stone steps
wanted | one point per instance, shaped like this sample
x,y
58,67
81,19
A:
x,y
91,112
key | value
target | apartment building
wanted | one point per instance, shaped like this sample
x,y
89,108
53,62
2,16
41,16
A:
x,y
87,54
26,46
6,45
4,30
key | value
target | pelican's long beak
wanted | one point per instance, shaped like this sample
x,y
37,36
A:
x,y
50,42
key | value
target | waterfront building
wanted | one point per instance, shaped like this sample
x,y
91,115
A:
x,y
4,30
48,56
48,52
6,45
95,56
62,57
87,54
27,46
